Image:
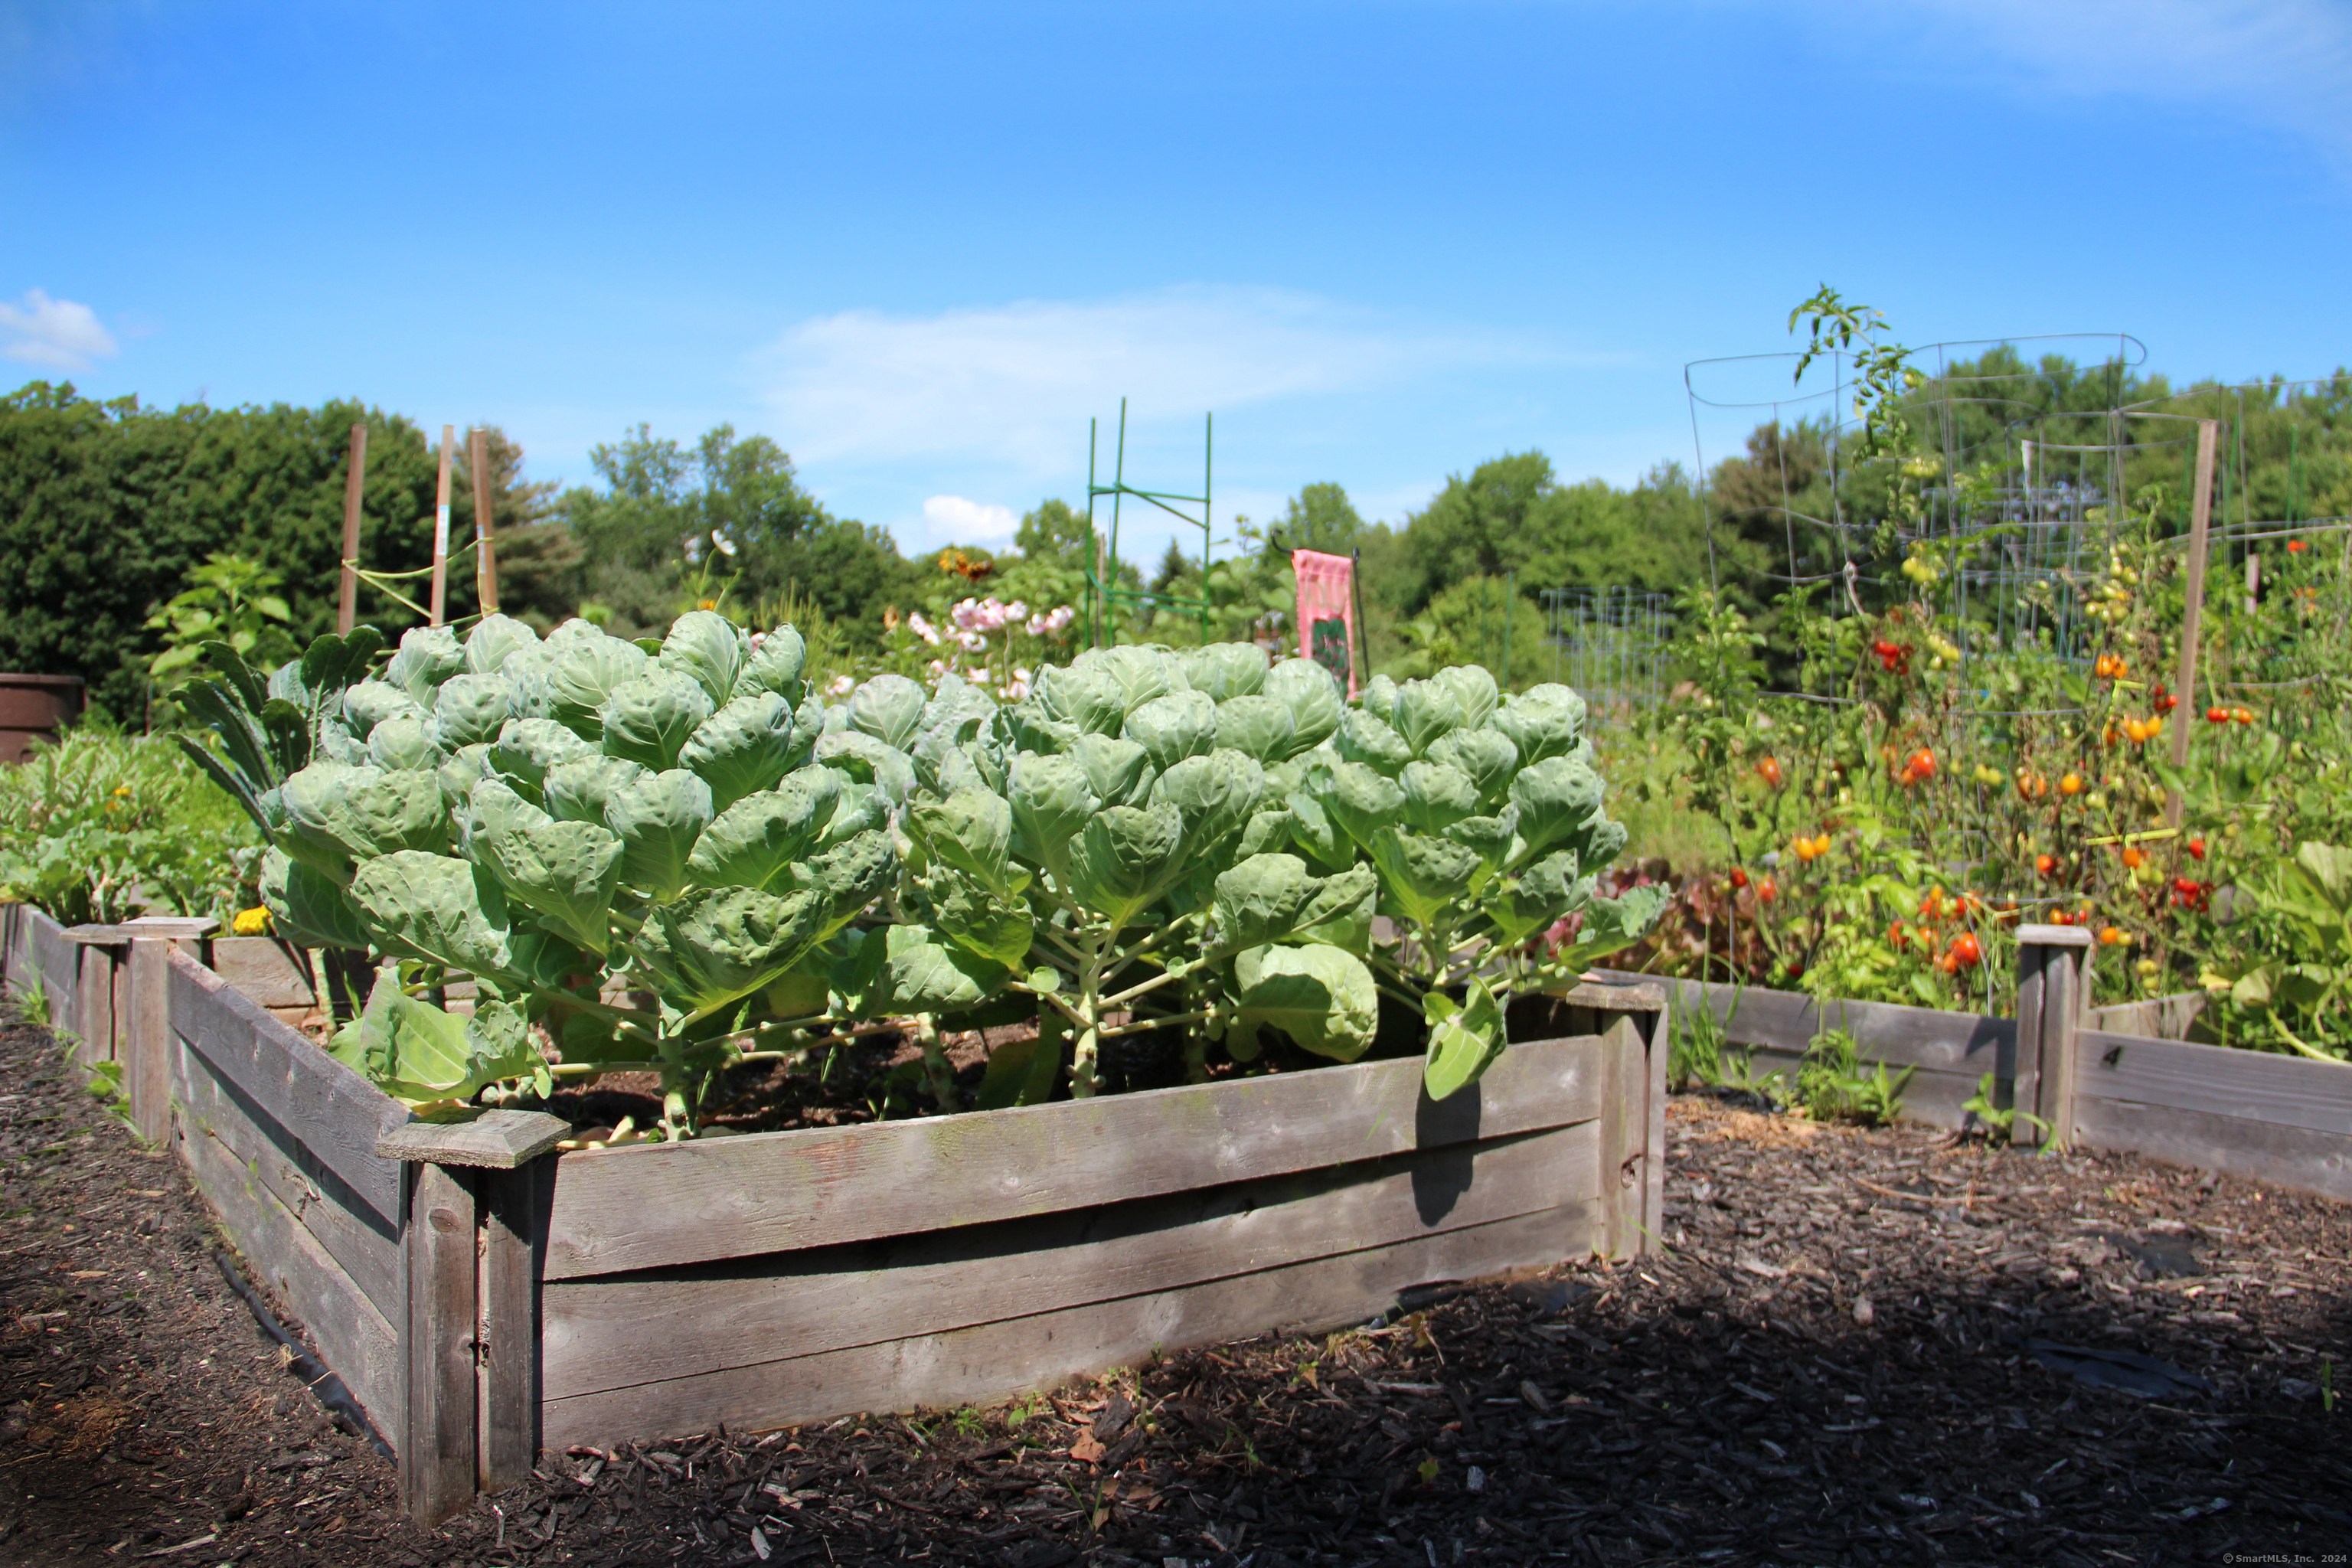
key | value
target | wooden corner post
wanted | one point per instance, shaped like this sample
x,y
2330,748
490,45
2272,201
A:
x,y
147,1042
1630,1021
2053,990
2192,620
469,1420
347,600
485,568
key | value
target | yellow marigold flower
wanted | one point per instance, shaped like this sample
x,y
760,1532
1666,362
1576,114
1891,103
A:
x,y
254,921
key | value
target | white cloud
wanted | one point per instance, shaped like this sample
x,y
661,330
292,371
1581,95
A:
x,y
1013,385
2283,63
951,520
54,333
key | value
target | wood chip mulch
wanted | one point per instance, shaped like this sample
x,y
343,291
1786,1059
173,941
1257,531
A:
x,y
1860,1347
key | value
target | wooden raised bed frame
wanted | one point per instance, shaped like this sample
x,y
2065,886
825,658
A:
x,y
483,1300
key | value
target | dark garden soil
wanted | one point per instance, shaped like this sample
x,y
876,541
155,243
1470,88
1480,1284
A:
x,y
1863,1347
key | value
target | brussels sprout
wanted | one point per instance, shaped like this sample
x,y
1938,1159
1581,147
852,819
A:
x,y
470,710
649,720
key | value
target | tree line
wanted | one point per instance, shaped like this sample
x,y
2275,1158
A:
x,y
106,506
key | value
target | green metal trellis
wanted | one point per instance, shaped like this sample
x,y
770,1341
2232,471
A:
x,y
1102,550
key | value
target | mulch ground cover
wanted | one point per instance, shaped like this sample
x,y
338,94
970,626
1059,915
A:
x,y
1858,1346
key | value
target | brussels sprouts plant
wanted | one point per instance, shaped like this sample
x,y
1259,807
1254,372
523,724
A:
x,y
665,854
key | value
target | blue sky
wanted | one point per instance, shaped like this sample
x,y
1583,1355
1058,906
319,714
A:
x,y
920,245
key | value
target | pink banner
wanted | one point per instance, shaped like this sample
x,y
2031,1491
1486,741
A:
x,y
1326,611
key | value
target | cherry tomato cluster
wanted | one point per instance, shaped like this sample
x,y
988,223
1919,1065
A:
x,y
1895,656
2296,547
1812,848
2189,893
2108,666
1917,768
2228,715
2144,730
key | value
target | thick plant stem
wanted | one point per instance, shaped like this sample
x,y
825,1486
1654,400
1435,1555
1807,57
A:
x,y
1087,1038
936,1071
1196,1057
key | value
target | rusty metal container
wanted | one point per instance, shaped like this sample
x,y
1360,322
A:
x,y
36,708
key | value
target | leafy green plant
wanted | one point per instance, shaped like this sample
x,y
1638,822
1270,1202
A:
x,y
30,999
230,600
2304,991
100,827
1833,1085
1999,1121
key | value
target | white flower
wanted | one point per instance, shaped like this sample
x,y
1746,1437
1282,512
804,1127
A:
x,y
938,667
1016,611
842,686
1014,689
974,642
726,545
923,628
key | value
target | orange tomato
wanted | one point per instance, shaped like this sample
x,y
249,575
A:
x,y
2045,864
1966,951
2243,715
2133,856
1765,892
2070,784
1769,770
2112,936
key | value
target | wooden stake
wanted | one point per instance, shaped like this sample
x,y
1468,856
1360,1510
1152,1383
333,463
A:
x,y
347,607
2253,582
486,569
2200,519
441,529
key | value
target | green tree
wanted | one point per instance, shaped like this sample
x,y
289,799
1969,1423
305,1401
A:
x,y
1320,517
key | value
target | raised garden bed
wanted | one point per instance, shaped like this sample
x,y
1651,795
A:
x,y
2092,1079
483,1302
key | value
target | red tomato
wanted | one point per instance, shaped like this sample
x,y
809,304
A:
x,y
1765,892
2217,715
1738,877
1769,770
2197,849
1967,952
2045,864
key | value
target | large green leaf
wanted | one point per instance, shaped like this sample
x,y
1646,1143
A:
x,y
649,720
776,666
901,970
1529,902
716,944
1473,690
1118,771
1081,695
971,830
404,741
1314,699
1217,794
1024,1071
1126,859
1542,722
1323,998
889,708
1486,757
1051,802
1257,727
1257,900
861,807
587,667
751,842
526,749
1359,801
1436,796
1421,876
1224,670
565,871
415,1052
1140,674
659,817
862,757
743,748
367,703
707,647
998,928
471,711
434,907
354,813
577,788
1424,711
848,877
1465,1039
1558,799
495,639
1364,739
307,906
428,656
1338,912
1171,728
1611,925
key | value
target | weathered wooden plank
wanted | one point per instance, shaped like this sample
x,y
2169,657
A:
x,y
998,1360
329,1109
507,1418
2158,1018
337,1317
147,1043
1621,1130
438,1441
273,973
363,1242
2300,1158
99,1024
57,963
2251,1086
496,1139
1653,1144
732,1197
1967,1043
603,1334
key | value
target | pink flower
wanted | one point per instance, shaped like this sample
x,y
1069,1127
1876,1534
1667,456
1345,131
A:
x,y
1016,611
974,642
923,628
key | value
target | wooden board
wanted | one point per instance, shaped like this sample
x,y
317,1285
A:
x,y
363,1241
600,1334
333,1112
731,1197
2251,1086
2158,1018
271,972
437,1341
57,962
995,1361
2295,1157
338,1319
